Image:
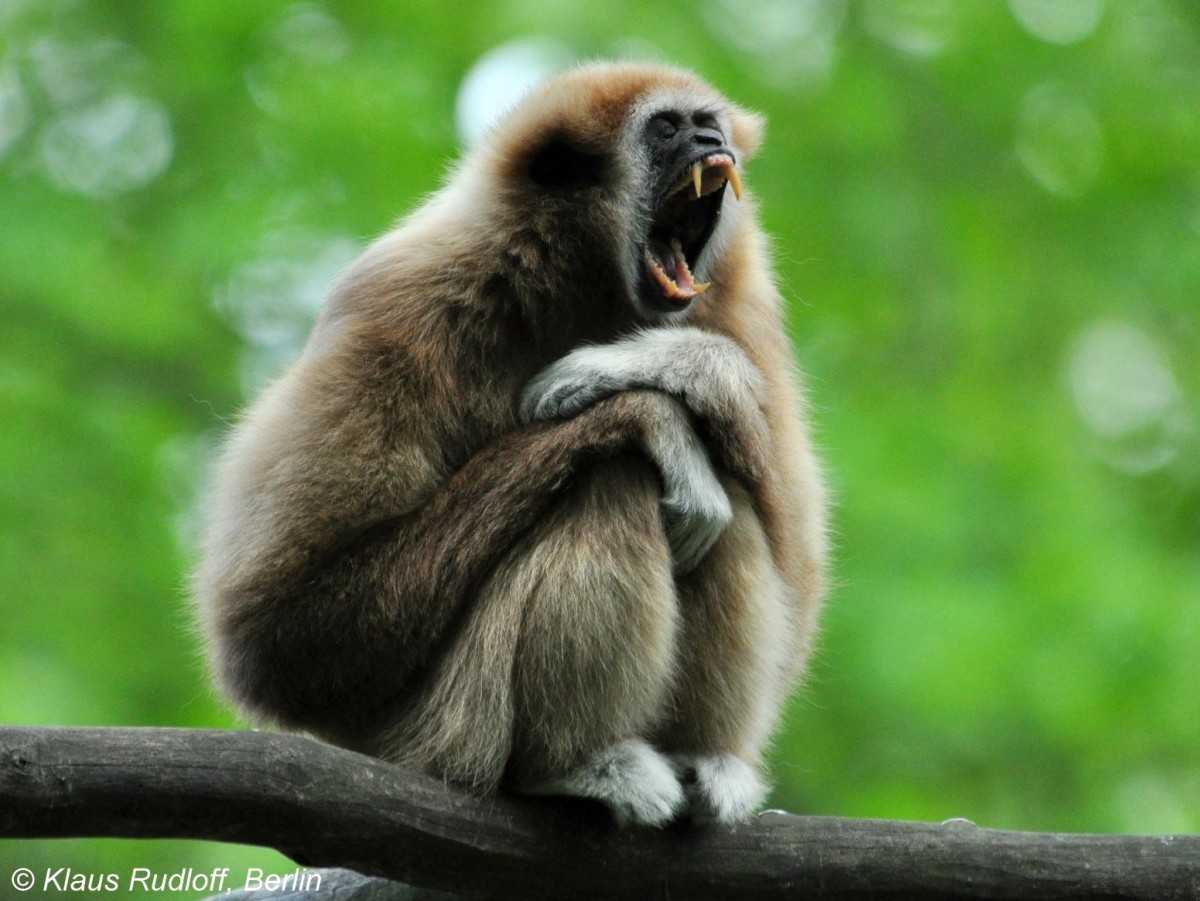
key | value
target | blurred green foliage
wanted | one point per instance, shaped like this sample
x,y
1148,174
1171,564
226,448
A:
x,y
986,216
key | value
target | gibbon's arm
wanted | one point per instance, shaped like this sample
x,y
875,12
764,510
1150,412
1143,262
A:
x,y
500,491
708,372
380,602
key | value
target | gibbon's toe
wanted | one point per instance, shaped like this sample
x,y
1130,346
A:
x,y
641,787
721,788
633,780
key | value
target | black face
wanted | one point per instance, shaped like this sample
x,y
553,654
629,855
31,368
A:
x,y
692,163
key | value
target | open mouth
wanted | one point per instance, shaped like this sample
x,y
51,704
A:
x,y
684,222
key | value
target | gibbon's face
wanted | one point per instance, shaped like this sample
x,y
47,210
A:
x,y
693,170
641,161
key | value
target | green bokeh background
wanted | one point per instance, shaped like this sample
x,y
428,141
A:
x,y
987,223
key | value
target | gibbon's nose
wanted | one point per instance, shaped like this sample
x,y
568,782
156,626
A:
x,y
708,137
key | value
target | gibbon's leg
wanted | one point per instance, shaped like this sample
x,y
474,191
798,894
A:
x,y
340,637
735,636
567,656
457,723
596,656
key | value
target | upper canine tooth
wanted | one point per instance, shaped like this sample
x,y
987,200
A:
x,y
697,173
733,178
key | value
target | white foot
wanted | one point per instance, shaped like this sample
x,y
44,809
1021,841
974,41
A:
x,y
720,788
637,783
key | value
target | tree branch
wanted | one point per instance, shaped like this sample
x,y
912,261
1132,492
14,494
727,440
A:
x,y
323,806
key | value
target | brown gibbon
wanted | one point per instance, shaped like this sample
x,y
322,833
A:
x,y
537,507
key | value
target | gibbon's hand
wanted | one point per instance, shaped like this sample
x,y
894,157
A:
x,y
704,370
708,373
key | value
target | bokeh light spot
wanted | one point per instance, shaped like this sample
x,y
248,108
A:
x,y
273,299
919,28
792,41
1057,21
14,109
72,73
500,78
118,144
1125,394
1059,141
308,32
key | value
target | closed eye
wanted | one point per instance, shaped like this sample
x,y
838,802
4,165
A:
x,y
664,125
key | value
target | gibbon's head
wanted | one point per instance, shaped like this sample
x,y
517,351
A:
x,y
634,171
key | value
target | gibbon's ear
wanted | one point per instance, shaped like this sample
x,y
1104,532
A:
x,y
561,164
748,131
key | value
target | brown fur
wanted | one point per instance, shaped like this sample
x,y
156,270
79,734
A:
x,y
395,563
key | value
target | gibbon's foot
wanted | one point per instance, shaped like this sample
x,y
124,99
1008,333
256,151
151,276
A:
x,y
638,784
720,788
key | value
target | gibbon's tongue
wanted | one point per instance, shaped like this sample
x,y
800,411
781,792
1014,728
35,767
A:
x,y
669,268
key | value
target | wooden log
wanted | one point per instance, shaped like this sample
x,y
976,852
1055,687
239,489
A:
x,y
324,806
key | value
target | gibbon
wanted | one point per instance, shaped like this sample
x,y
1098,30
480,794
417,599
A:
x,y
537,508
